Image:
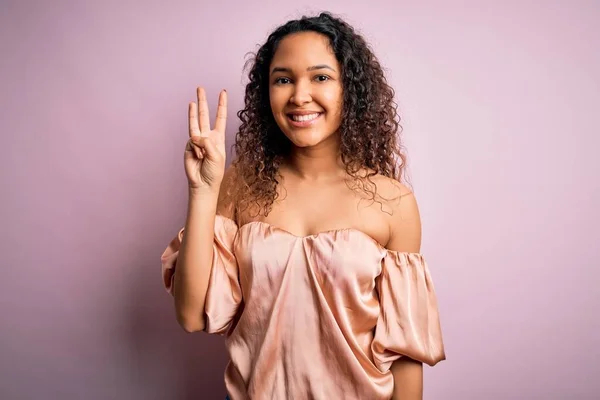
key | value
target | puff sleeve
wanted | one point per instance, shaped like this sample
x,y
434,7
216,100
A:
x,y
409,323
224,293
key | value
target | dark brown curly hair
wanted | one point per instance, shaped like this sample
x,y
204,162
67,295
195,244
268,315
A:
x,y
370,124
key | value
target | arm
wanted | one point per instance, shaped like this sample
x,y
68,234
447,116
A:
x,y
193,265
405,236
408,379
194,262
204,161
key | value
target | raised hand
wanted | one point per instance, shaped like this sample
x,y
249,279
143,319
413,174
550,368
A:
x,y
204,157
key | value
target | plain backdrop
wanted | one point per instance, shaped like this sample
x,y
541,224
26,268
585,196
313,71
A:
x,y
499,104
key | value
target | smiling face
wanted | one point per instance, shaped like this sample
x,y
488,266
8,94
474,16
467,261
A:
x,y
305,89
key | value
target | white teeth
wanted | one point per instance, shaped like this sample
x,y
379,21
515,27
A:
x,y
304,118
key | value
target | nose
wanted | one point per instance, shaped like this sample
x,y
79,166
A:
x,y
301,94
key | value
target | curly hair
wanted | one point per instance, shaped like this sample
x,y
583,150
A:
x,y
370,125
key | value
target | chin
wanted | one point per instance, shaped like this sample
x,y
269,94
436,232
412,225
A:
x,y
308,138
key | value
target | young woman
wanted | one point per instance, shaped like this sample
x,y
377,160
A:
x,y
305,253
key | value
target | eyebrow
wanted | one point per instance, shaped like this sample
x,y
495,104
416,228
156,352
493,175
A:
x,y
313,68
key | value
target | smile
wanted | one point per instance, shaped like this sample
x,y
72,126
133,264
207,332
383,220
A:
x,y
303,120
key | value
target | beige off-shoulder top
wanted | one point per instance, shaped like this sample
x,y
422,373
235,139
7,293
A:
x,y
318,317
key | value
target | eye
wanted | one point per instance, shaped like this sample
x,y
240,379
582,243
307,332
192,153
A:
x,y
322,78
282,81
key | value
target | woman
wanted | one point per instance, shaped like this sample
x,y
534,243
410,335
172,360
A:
x,y
305,252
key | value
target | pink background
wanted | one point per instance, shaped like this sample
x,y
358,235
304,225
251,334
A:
x,y
498,102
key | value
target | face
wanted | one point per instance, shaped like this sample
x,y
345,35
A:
x,y
305,89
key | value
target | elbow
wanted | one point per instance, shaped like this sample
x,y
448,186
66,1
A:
x,y
190,324
189,316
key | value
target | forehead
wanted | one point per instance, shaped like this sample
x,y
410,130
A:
x,y
304,49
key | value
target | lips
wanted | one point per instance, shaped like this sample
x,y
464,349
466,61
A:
x,y
303,119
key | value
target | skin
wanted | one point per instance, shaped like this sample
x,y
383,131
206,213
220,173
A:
x,y
303,79
313,194
204,161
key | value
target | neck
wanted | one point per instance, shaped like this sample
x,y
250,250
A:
x,y
317,163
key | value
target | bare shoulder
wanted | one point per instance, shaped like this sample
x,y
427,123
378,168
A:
x,y
390,189
402,212
226,203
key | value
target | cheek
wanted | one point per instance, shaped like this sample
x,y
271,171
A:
x,y
334,99
278,98
275,100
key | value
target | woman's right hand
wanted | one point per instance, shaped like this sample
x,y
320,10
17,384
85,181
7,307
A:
x,y
204,157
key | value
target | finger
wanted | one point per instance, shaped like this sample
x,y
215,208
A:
x,y
203,112
221,121
194,149
209,149
194,129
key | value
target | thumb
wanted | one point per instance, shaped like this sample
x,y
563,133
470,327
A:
x,y
208,146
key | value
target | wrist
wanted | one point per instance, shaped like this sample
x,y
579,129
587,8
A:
x,y
203,193
202,201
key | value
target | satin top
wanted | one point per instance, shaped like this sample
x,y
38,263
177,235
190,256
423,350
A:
x,y
317,317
